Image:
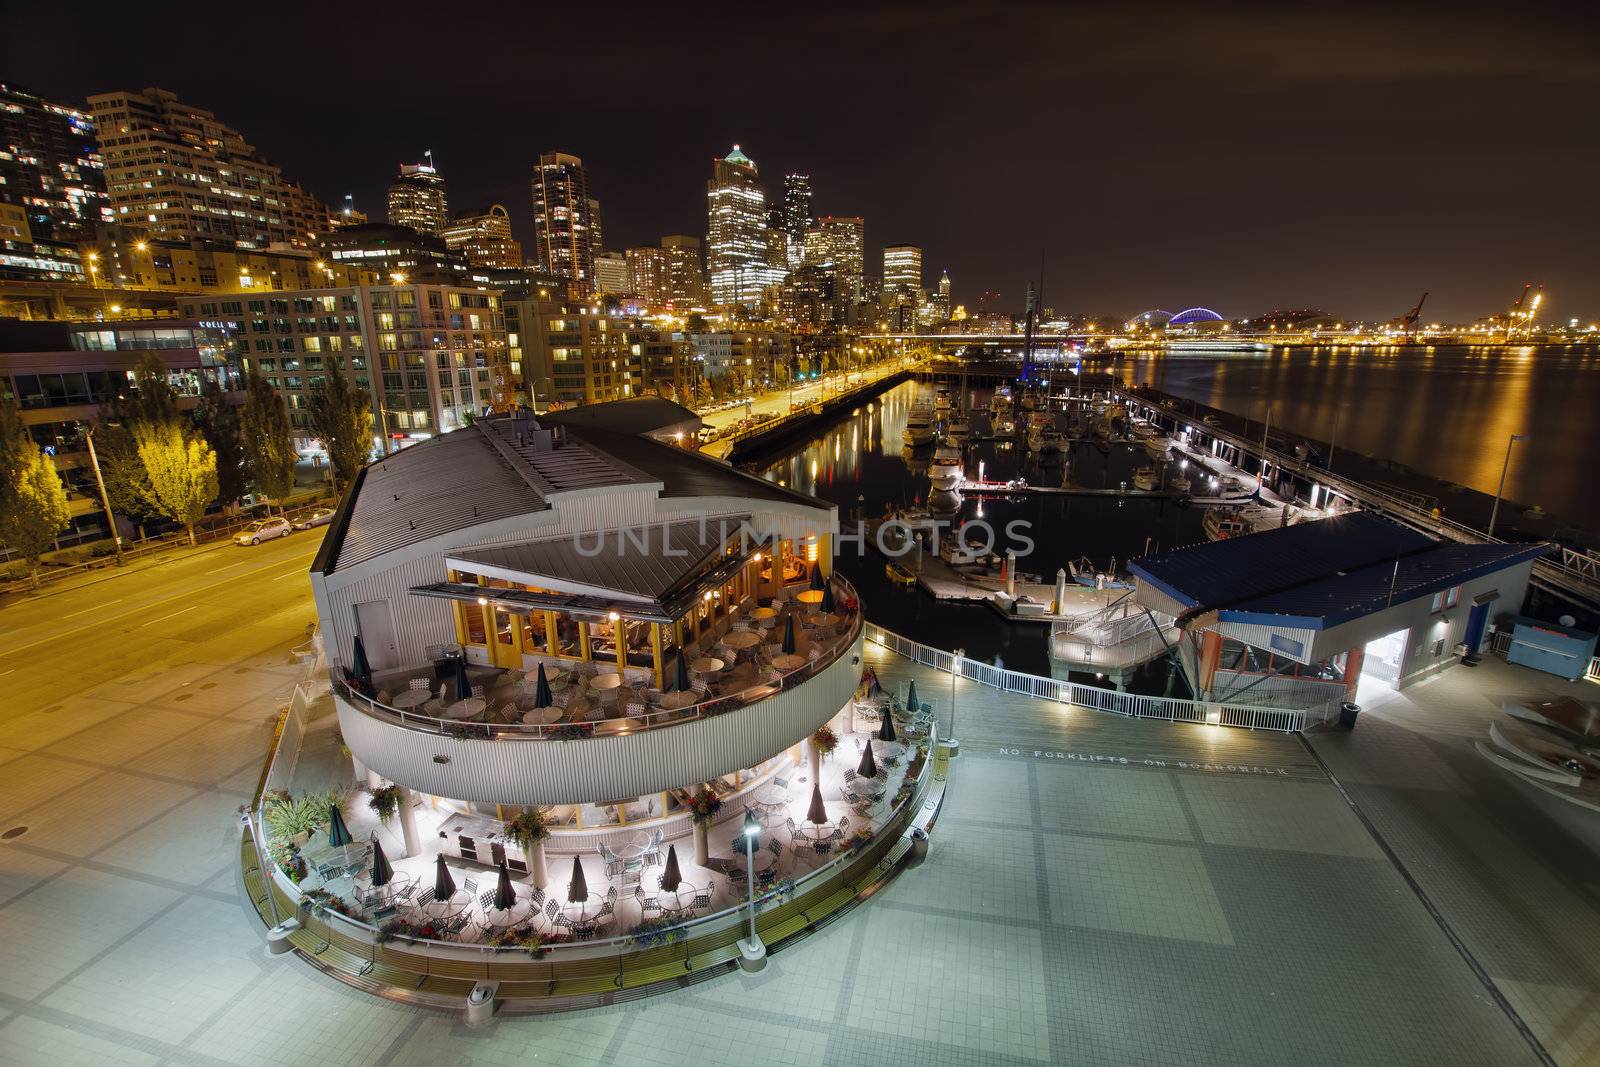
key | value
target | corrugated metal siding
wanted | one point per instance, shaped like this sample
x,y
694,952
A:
x,y
1260,636
518,771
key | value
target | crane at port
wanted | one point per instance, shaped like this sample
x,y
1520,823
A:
x,y
1409,320
1523,310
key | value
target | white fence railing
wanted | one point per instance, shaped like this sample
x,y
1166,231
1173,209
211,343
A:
x,y
1133,705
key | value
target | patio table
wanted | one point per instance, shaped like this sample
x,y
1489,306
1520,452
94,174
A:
x,y
764,616
678,698
788,662
519,912
543,716
742,639
444,909
772,795
706,665
578,911
810,596
465,709
604,683
411,698
674,901
635,845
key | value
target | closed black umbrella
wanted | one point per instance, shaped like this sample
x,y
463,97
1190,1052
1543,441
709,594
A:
x,y
359,665
444,886
911,698
381,870
463,687
671,877
578,888
818,812
338,832
505,897
680,680
868,768
788,636
816,576
827,605
877,687
886,731
541,690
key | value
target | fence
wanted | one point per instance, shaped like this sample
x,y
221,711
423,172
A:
x,y
1132,705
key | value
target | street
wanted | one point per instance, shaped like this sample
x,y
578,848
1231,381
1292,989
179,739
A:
x,y
778,402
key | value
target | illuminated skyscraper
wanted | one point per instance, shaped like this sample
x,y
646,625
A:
x,y
417,199
686,273
565,234
485,238
50,166
174,169
611,274
796,216
737,232
647,268
902,273
837,245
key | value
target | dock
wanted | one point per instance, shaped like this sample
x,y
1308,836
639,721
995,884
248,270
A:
x,y
993,488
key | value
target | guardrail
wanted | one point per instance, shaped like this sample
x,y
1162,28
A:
x,y
1132,705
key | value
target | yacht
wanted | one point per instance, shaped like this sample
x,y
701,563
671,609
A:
x,y
1179,482
919,427
1145,478
1042,433
1000,402
941,401
1156,447
960,427
946,472
1222,523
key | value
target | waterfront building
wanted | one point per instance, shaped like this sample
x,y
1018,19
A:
x,y
393,252
737,249
1300,616
648,271
430,356
796,217
611,274
575,353
123,257
348,215
50,168
565,229
184,175
744,359
25,257
942,308
485,239
812,298
417,198
686,275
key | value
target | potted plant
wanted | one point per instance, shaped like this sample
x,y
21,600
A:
x,y
823,742
385,802
703,808
529,831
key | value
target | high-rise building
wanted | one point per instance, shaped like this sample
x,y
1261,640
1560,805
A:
x,y
611,274
176,170
647,267
485,238
941,301
686,275
736,241
837,244
564,233
597,233
902,274
50,166
417,199
796,216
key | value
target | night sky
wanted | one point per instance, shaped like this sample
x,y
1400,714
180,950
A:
x,y
1243,160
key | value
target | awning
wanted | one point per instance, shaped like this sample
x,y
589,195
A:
x,y
1486,598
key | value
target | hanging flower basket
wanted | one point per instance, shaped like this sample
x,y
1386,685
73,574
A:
x,y
526,830
825,740
703,807
385,802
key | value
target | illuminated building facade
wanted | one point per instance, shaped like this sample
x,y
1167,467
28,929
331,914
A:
x,y
123,257
185,176
686,275
564,227
796,217
611,274
485,239
50,166
647,267
393,250
837,245
737,233
417,199
902,274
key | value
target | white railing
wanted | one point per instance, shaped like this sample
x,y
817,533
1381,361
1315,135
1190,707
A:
x,y
1133,705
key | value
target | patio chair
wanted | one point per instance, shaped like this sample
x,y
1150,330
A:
x,y
702,900
537,896
649,904
793,830
425,897
552,909
613,868
385,912
781,783
403,894
470,885
608,908
844,825
849,774
773,846
417,683
560,921
822,848
487,898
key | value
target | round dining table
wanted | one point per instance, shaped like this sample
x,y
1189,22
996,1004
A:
x,y
411,698
543,716
672,901
606,682
465,709
706,665
810,596
764,615
788,661
742,639
444,909
678,698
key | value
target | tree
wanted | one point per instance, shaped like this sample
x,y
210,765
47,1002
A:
x,y
218,421
33,505
341,416
182,470
153,401
127,484
268,440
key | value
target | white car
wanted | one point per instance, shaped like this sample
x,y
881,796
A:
x,y
318,517
263,530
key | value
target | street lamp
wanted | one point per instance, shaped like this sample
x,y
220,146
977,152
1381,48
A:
x,y
754,953
1495,512
955,670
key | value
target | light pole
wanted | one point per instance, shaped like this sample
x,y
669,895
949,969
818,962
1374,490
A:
x,y
105,500
752,951
1495,511
955,669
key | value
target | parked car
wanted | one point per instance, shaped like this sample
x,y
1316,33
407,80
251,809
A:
x,y
263,530
318,517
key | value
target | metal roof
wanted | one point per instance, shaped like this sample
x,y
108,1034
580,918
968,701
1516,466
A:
x,y
684,473
645,563
637,415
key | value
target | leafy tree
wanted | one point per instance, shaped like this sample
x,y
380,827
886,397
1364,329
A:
x,y
341,416
695,323
127,484
154,400
182,470
268,440
218,421
33,505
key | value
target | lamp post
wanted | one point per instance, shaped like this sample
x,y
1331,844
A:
x,y
955,669
105,500
752,951
1494,513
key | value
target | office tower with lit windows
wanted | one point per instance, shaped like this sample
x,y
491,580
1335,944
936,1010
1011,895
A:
x,y
50,166
485,239
597,232
647,267
686,275
837,245
737,232
611,274
902,274
183,175
417,199
941,300
564,231
796,216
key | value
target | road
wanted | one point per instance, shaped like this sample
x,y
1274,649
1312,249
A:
x,y
779,402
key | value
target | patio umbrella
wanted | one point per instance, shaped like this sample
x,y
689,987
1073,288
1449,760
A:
x,y
818,812
578,888
680,680
911,698
381,869
359,665
463,687
868,767
816,577
338,832
444,886
827,605
505,897
788,636
671,877
877,687
541,690
886,731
